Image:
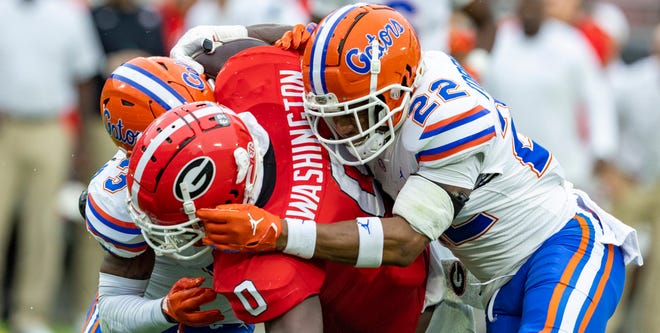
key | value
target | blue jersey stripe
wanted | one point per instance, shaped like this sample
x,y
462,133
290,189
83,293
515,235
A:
x,y
457,143
119,245
110,224
454,124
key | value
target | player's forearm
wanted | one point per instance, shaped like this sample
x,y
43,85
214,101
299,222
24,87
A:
x,y
340,242
337,242
402,243
123,309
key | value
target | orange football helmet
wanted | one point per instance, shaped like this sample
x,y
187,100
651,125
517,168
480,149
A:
x,y
197,155
359,66
141,89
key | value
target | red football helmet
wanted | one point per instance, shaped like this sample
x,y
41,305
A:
x,y
359,67
141,89
197,155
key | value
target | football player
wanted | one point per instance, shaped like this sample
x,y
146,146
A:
x,y
139,291
135,95
448,298
279,166
140,87
549,258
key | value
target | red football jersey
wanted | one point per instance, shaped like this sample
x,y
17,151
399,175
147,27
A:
x,y
267,82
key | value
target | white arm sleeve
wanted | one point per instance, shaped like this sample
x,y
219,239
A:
x,y
425,205
122,307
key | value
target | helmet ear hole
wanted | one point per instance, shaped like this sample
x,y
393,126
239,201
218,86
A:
x,y
234,193
407,79
162,65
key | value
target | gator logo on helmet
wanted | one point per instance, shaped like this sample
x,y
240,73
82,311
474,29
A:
x,y
198,174
359,61
117,130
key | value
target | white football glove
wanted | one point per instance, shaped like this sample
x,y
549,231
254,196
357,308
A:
x,y
190,44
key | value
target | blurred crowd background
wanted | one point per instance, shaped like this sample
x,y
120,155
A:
x,y
582,77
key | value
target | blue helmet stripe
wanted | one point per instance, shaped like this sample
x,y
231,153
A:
x,y
320,48
149,84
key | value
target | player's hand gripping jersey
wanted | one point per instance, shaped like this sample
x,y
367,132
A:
x,y
303,183
457,134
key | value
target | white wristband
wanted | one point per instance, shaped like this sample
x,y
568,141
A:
x,y
370,231
301,239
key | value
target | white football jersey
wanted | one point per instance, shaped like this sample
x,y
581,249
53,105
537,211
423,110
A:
x,y
457,134
108,220
106,215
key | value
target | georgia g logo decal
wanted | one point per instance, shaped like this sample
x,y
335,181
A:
x,y
198,174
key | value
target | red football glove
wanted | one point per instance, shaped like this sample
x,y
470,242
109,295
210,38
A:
x,y
240,227
183,302
296,38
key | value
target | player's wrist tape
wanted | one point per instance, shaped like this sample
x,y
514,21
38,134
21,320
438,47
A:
x,y
301,238
370,232
166,311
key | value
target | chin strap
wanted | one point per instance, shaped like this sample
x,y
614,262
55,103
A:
x,y
188,204
373,83
375,66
